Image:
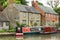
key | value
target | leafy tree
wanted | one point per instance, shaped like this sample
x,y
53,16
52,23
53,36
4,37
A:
x,y
24,2
40,3
57,9
35,24
3,3
17,1
53,3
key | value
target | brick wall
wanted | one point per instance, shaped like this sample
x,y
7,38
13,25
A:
x,y
51,18
35,5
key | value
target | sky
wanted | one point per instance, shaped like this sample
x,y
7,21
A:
x,y
42,1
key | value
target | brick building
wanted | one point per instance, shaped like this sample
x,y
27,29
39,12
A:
x,y
49,16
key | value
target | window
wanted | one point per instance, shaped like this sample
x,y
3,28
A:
x,y
7,23
48,23
1,24
46,15
31,15
55,16
24,21
37,16
24,14
37,20
16,18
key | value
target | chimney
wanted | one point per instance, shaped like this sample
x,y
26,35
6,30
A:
x,y
35,3
10,1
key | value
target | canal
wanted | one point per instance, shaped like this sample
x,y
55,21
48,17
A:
x,y
33,37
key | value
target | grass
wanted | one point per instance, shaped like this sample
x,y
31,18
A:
x,y
1,31
11,30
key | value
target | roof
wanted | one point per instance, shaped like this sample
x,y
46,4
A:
x,y
25,8
20,7
3,17
31,9
47,9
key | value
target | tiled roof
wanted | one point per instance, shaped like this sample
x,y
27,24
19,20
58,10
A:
x,y
19,7
3,17
47,9
31,9
25,8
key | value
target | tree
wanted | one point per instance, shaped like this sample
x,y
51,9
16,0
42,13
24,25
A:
x,y
40,3
3,3
57,9
17,1
35,24
53,3
24,2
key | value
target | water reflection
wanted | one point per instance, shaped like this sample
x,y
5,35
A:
x,y
33,37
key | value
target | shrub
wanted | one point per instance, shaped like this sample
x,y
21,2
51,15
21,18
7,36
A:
x,y
35,24
21,25
2,31
11,30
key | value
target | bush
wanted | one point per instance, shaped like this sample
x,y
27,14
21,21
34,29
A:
x,y
11,30
35,24
2,31
21,25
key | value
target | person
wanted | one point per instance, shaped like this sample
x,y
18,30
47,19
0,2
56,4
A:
x,y
19,29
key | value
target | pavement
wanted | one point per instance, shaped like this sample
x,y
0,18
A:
x,y
7,33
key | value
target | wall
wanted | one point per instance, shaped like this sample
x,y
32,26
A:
x,y
30,17
52,18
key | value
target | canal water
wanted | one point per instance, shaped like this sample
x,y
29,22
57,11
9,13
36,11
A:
x,y
33,37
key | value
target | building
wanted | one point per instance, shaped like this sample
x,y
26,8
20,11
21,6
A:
x,y
4,22
49,16
22,14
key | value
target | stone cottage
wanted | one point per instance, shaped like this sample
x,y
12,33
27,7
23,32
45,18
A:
x,y
4,22
22,14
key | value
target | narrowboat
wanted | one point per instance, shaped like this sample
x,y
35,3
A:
x,y
39,30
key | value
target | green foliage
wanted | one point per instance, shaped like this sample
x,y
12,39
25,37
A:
x,y
2,31
21,25
35,24
24,2
17,1
40,3
11,30
57,9
3,3
18,25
